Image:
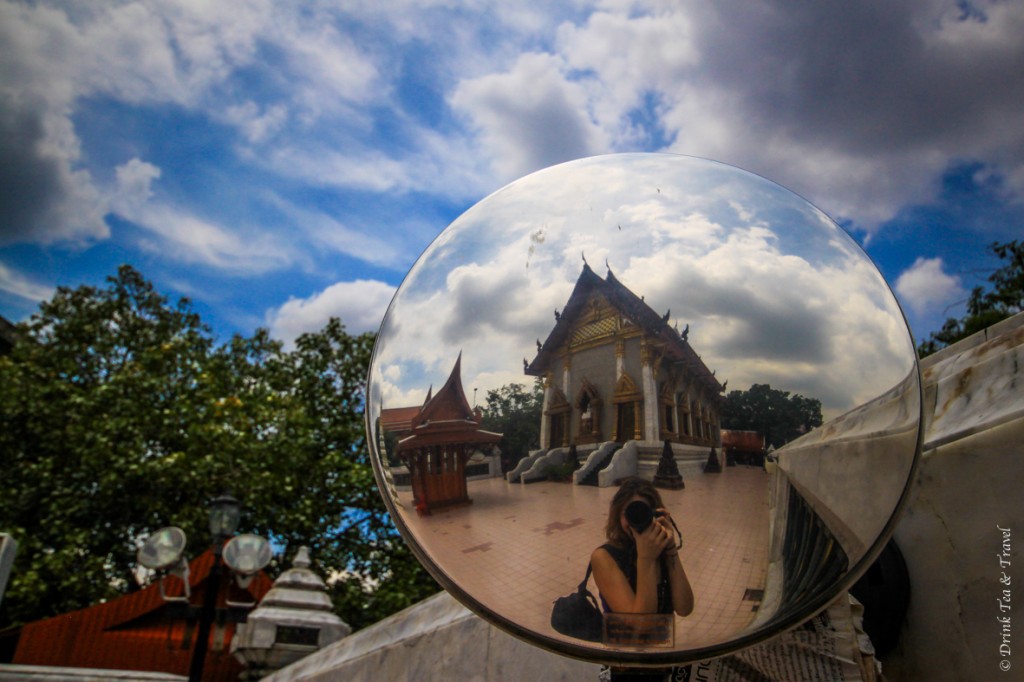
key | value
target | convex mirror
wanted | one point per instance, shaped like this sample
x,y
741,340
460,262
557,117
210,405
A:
x,y
607,319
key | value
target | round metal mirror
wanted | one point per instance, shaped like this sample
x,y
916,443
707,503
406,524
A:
x,y
589,324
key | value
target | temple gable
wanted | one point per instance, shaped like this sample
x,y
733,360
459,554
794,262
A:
x,y
631,375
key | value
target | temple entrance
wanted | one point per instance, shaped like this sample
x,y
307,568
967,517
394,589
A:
x,y
625,422
558,430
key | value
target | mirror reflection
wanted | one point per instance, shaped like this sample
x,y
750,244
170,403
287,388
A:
x,y
649,329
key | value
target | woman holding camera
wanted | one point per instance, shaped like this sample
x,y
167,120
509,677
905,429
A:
x,y
638,570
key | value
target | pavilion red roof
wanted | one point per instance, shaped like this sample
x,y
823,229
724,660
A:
x,y
742,440
139,631
447,418
398,419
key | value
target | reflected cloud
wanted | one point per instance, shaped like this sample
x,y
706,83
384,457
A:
x,y
765,282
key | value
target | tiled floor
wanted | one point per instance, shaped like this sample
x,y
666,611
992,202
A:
x,y
519,547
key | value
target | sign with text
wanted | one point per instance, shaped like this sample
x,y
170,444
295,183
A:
x,y
645,630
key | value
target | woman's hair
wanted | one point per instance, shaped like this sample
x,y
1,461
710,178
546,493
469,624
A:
x,y
628,489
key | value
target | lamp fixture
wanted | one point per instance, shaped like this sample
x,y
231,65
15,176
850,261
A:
x,y
164,552
225,512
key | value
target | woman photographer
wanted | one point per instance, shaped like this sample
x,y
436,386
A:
x,y
640,572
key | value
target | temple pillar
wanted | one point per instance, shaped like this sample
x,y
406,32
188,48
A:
x,y
651,417
566,368
545,427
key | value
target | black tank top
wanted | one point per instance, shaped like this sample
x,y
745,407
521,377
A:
x,y
625,559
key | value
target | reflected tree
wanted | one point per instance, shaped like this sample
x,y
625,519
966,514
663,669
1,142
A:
x,y
776,414
515,412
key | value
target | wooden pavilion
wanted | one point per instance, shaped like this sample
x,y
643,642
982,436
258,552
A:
x,y
441,438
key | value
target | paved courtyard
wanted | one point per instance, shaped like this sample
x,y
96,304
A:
x,y
519,547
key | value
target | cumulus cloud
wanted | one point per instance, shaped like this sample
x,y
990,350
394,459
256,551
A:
x,y
43,198
134,184
859,107
133,52
359,304
530,117
927,288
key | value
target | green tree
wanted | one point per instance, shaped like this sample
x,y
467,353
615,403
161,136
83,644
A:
x,y
986,307
121,415
515,412
774,413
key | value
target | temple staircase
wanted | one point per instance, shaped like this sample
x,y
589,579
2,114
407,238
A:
x,y
598,460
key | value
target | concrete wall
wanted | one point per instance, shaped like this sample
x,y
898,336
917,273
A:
x,y
434,640
968,487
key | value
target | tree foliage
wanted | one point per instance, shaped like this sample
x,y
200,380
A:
x,y
122,415
774,413
515,412
986,307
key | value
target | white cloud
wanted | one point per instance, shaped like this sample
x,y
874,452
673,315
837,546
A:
x,y
257,123
326,232
134,52
134,184
927,288
181,235
23,286
530,117
860,107
360,305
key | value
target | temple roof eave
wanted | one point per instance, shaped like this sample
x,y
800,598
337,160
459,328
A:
x,y
477,437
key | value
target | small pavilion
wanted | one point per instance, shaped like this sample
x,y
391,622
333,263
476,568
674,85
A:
x,y
441,438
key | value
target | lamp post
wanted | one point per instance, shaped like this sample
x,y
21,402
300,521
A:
x,y
225,512
245,556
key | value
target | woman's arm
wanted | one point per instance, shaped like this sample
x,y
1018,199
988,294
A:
x,y
682,593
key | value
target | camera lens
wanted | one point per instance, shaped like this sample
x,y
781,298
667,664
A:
x,y
639,515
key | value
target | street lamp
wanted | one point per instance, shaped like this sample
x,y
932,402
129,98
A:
x,y
164,553
225,512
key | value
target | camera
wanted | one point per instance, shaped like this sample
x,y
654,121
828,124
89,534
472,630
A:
x,y
640,515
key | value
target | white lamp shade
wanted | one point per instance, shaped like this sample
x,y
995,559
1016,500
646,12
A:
x,y
163,549
247,554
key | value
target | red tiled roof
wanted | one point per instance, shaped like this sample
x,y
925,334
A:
x,y
398,419
447,418
139,631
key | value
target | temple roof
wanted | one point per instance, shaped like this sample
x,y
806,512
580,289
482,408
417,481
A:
x,y
632,307
447,418
398,419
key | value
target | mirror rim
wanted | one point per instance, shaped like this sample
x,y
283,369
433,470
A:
x,y
652,658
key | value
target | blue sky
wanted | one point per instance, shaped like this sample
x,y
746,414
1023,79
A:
x,y
279,163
